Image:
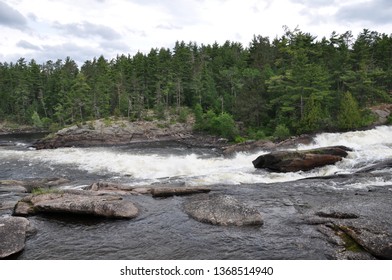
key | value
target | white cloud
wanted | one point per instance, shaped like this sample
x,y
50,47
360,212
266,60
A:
x,y
43,29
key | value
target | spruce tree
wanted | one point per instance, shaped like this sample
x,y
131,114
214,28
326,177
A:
x,y
349,116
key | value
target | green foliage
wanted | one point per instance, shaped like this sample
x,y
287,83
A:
x,y
296,80
256,134
281,132
160,111
37,120
313,116
222,125
349,116
183,114
239,139
198,112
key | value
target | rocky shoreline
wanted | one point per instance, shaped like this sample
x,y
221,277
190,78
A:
x,y
123,132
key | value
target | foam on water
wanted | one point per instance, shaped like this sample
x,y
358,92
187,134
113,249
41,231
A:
x,y
369,146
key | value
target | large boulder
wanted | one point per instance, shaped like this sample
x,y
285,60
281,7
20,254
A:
x,y
222,210
13,235
293,161
75,203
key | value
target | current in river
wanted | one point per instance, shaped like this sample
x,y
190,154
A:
x,y
163,230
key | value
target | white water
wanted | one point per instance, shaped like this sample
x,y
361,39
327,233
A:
x,y
369,147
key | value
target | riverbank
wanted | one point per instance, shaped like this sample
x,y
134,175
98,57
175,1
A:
x,y
13,128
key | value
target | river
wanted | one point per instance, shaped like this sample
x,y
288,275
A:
x,y
164,231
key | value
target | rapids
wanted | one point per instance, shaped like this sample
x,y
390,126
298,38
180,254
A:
x,y
141,166
164,231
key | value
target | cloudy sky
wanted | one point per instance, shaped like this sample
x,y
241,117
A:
x,y
84,29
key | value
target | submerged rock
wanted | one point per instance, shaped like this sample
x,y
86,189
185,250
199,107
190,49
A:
x,y
222,210
293,161
13,235
171,191
96,205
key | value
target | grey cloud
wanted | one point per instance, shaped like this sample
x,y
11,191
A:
x,y
32,17
11,18
54,52
87,29
316,3
136,32
26,45
376,11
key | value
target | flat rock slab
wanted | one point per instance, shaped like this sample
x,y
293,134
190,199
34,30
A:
x,y
172,191
222,210
103,206
12,235
377,242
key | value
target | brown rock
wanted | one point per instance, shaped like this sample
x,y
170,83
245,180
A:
x,y
293,161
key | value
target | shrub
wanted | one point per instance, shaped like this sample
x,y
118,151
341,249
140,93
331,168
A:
x,y
225,126
36,120
256,134
239,139
183,115
281,132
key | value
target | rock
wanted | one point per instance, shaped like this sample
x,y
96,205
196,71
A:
x,y
222,210
376,241
293,161
294,141
377,166
106,186
337,215
98,205
113,188
24,209
13,235
249,146
382,112
171,191
115,132
31,184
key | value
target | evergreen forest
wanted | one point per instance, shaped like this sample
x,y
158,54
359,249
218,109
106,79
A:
x,y
293,84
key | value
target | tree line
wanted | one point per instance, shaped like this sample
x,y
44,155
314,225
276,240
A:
x,y
292,84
